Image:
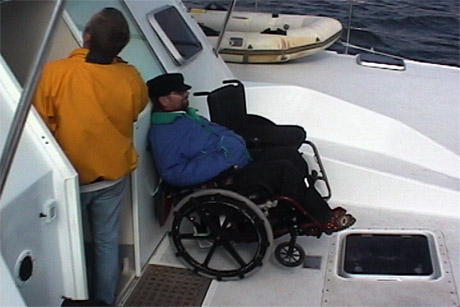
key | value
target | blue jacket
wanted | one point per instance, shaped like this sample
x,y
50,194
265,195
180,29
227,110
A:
x,y
188,149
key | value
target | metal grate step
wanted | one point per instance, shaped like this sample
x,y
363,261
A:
x,y
169,286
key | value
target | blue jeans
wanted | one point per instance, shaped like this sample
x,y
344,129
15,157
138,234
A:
x,y
103,208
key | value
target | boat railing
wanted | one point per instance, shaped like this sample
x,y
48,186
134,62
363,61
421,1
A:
x,y
371,50
350,14
347,43
25,101
224,27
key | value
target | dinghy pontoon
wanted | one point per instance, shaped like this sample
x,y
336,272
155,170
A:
x,y
268,38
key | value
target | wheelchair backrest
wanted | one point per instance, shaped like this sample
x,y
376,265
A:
x,y
227,105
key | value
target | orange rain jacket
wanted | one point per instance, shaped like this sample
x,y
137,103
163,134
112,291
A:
x,y
90,108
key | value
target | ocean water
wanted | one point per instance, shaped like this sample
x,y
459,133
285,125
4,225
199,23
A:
x,y
422,30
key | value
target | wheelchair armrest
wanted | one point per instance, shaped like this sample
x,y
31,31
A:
x,y
252,126
259,120
259,131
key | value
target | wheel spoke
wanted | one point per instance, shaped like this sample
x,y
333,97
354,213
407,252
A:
x,y
207,231
210,254
234,253
291,255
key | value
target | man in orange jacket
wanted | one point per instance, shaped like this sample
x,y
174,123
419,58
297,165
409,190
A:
x,y
89,101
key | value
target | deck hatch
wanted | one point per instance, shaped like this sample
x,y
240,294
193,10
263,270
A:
x,y
387,254
345,286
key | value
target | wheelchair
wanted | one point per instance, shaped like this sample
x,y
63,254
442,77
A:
x,y
223,233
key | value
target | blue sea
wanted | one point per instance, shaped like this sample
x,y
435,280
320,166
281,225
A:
x,y
422,30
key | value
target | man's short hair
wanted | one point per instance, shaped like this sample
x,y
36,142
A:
x,y
109,32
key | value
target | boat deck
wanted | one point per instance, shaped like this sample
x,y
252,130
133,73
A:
x,y
434,112
386,193
275,285
429,105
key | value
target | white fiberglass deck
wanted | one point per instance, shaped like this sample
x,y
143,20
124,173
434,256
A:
x,y
425,97
388,186
275,285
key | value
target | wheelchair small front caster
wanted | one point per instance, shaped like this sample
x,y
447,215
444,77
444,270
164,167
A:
x,y
290,256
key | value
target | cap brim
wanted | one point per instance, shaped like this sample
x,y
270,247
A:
x,y
185,87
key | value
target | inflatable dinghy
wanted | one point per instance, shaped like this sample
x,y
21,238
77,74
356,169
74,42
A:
x,y
268,38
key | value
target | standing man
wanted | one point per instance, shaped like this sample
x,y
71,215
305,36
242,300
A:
x,y
89,101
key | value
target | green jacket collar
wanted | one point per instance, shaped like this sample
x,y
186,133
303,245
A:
x,y
162,118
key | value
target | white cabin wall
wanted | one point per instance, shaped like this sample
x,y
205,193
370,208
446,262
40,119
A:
x,y
63,42
204,73
40,181
7,285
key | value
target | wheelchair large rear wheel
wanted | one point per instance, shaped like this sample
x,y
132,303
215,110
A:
x,y
220,234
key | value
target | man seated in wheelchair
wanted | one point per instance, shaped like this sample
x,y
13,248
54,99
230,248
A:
x,y
189,150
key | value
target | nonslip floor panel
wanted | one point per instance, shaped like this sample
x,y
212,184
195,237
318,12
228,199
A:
x,y
169,286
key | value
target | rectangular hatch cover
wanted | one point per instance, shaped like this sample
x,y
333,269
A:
x,y
388,267
387,254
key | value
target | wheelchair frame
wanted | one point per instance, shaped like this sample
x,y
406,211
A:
x,y
224,235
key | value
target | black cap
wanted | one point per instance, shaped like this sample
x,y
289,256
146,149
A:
x,y
165,84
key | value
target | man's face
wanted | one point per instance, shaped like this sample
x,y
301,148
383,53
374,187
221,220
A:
x,y
176,101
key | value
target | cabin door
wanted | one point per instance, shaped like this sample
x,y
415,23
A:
x,y
40,216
